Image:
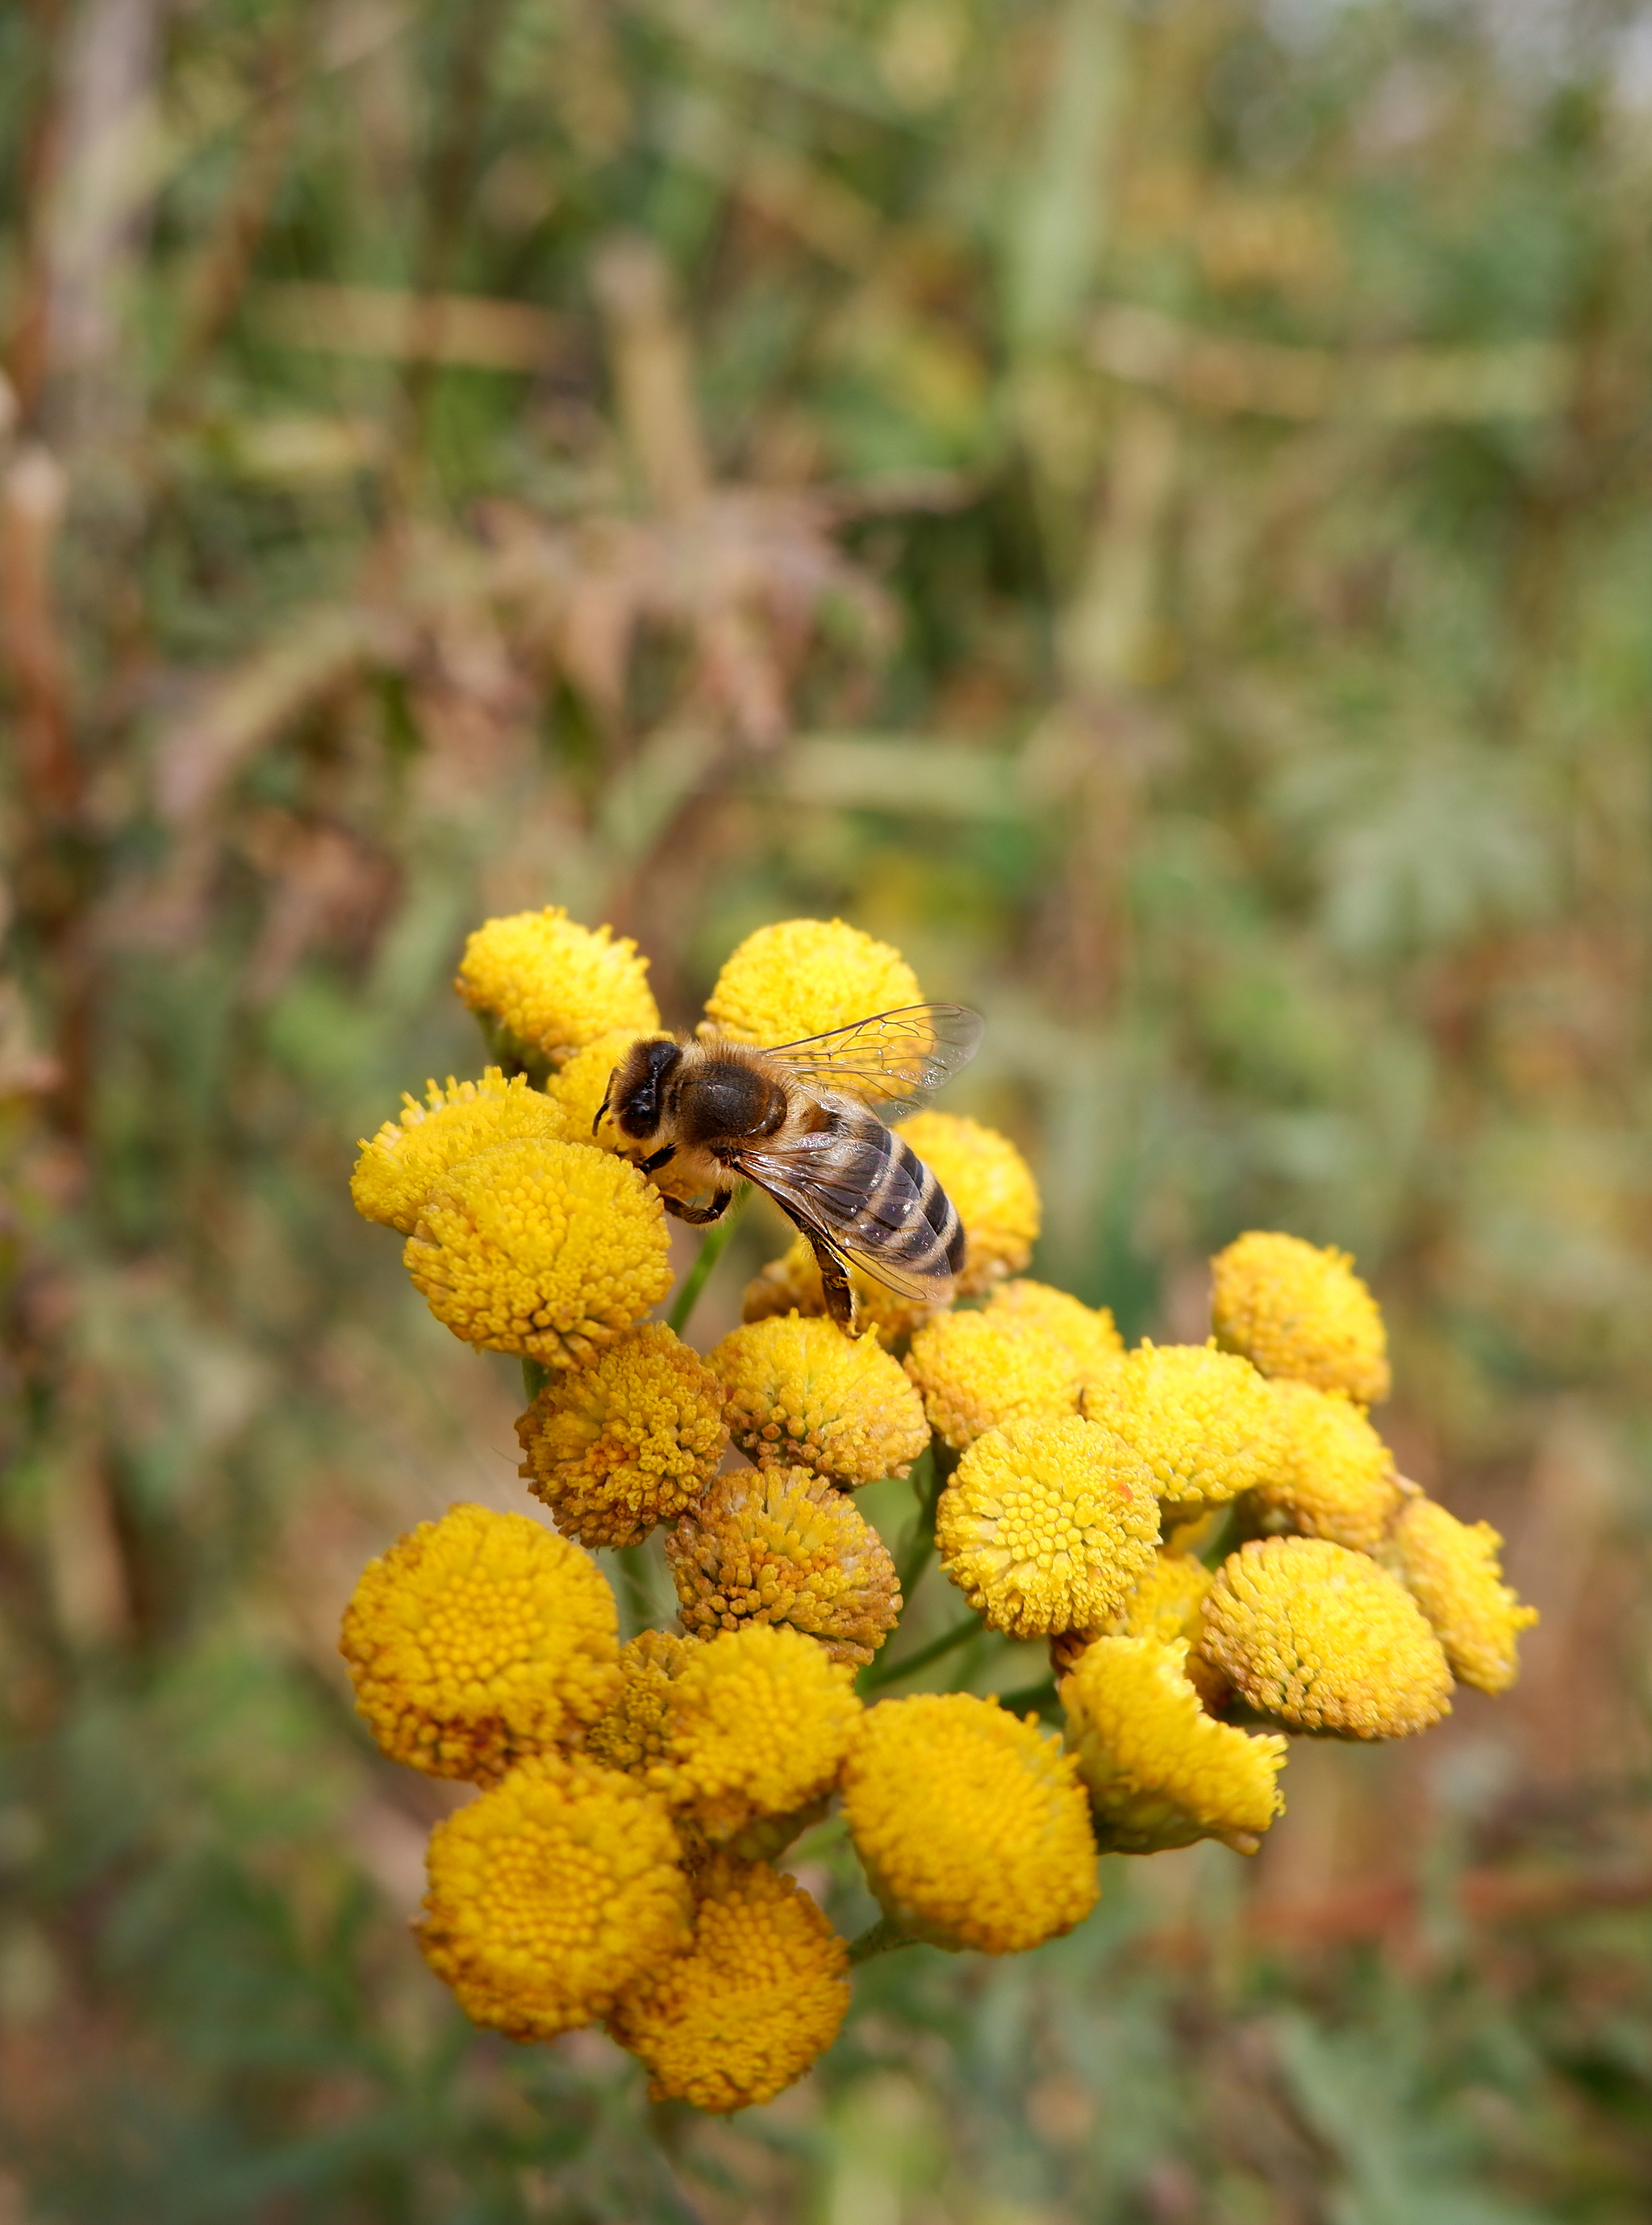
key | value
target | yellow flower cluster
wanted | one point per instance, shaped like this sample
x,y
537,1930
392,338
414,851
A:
x,y
760,1993
1159,1771
1451,1569
630,1440
1336,1478
617,1862
407,1159
478,1640
980,1370
1204,1422
1325,1640
803,977
545,987
779,1545
1295,1310
551,1893
1087,1332
1047,1525
970,1823
546,1249
800,1394
757,1723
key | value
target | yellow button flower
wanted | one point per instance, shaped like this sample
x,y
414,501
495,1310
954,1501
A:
x,y
1337,1479
1205,1423
791,1284
630,1440
1324,1640
1087,1332
578,1088
802,1394
759,1995
1168,1602
971,1824
630,1732
545,987
551,1894
1452,1570
760,1720
1159,1771
780,1545
977,1373
803,977
405,1161
544,1248
1297,1311
478,1639
991,1185
1047,1525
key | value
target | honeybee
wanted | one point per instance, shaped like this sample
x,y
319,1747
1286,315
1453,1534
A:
x,y
807,1123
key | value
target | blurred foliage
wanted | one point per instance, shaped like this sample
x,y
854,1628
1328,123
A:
x,y
1145,507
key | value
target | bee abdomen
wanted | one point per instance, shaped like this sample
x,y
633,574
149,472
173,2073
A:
x,y
928,1239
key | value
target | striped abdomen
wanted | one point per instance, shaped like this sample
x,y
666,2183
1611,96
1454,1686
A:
x,y
893,1216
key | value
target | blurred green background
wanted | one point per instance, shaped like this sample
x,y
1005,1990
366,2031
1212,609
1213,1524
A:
x,y
1148,508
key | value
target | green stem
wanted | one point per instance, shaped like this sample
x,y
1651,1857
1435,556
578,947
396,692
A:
x,y
634,1575
929,1483
1223,1538
1037,1696
889,1672
881,1938
709,1253
535,1376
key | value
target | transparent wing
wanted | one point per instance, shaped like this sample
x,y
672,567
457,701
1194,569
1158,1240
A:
x,y
894,1061
847,1192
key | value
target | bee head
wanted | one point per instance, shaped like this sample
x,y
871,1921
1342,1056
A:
x,y
636,1087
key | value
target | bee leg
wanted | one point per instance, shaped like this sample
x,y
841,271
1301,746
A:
x,y
698,1215
834,1281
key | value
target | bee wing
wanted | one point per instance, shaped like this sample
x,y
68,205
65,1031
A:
x,y
856,1199
892,1062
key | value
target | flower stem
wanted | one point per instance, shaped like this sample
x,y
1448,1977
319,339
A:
x,y
1038,1697
882,1938
709,1253
928,1482
535,1376
889,1672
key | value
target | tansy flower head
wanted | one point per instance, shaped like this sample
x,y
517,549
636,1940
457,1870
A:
x,y
1166,1602
630,1732
1204,1422
627,1441
792,1284
1297,1311
971,1823
759,1723
802,1394
1159,1771
977,1373
1337,1478
550,1894
780,1545
1047,1525
803,977
544,987
1452,1570
759,1994
991,1185
578,1088
408,1158
478,1639
1324,1640
544,1248
1086,1331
